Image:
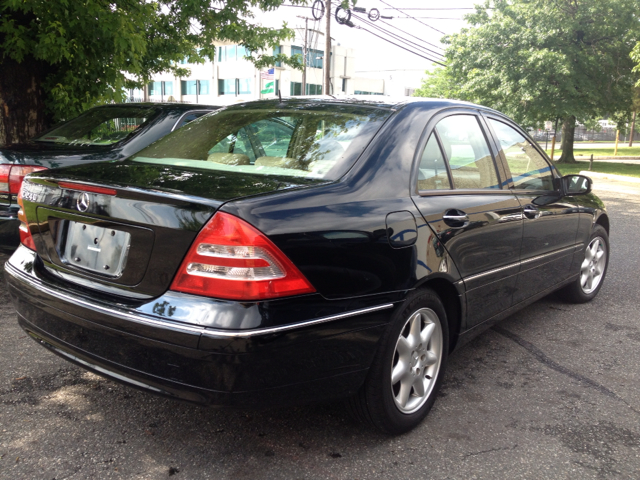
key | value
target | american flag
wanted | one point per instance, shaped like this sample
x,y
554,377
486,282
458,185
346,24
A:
x,y
268,75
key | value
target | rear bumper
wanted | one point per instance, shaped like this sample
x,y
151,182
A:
x,y
317,359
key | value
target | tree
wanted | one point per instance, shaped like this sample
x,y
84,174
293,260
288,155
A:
x,y
60,57
439,84
538,60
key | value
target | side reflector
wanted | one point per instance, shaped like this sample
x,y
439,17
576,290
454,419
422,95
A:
x,y
233,260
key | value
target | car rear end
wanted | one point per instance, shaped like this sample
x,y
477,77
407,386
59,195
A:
x,y
134,271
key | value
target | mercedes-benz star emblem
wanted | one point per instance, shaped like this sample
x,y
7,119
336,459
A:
x,y
83,202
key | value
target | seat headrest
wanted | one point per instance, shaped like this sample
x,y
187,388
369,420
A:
x,y
229,158
282,162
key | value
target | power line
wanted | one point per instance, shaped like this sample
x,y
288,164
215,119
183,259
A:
x,y
426,25
400,46
398,37
420,8
412,36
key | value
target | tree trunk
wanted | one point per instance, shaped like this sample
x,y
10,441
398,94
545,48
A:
x,y
568,130
633,127
22,100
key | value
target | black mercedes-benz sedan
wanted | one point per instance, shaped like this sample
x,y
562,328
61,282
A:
x,y
110,132
303,250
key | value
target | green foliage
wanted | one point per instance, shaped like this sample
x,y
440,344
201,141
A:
x,y
439,83
538,60
94,49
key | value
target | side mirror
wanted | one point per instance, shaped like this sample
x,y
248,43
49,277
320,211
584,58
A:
x,y
576,184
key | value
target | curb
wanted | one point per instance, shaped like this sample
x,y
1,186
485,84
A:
x,y
609,176
619,157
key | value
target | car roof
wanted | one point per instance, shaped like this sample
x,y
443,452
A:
x,y
380,101
163,106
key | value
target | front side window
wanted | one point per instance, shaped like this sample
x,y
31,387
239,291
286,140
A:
x,y
467,152
529,170
306,141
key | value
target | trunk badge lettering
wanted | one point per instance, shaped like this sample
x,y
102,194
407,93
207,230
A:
x,y
83,202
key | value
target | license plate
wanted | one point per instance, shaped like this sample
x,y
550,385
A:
x,y
97,249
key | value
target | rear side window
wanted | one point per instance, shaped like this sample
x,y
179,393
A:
x,y
529,170
433,173
464,150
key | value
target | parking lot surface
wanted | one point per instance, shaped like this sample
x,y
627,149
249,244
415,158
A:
x,y
551,392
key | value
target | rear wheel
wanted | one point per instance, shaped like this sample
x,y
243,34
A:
x,y
592,270
407,372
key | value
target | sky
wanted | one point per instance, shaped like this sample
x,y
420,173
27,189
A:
x,y
431,20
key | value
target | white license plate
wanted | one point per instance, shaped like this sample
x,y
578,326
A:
x,y
100,250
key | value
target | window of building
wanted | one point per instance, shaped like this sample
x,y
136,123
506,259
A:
x,y
312,89
234,86
344,85
277,51
160,88
315,58
231,53
227,86
362,92
194,87
296,88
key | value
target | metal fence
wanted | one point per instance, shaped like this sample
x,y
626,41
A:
x,y
583,135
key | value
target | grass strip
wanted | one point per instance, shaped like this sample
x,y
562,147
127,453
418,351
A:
x,y
626,169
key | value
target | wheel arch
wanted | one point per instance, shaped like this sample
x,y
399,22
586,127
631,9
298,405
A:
x,y
603,220
452,305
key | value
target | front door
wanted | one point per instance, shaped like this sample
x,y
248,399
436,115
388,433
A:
x,y
550,220
460,195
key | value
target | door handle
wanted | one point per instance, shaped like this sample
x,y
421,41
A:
x,y
531,212
455,218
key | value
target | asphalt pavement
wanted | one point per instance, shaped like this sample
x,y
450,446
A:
x,y
551,392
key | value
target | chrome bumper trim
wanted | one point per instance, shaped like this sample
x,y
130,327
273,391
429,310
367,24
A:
x,y
144,320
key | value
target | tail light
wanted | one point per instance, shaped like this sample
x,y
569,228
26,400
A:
x,y
233,260
11,176
25,234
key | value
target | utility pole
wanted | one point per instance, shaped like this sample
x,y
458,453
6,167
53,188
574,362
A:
x,y
305,53
327,50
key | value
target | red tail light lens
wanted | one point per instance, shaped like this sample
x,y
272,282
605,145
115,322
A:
x,y
5,171
233,260
18,173
25,234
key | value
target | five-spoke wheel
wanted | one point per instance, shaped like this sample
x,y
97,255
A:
x,y
416,361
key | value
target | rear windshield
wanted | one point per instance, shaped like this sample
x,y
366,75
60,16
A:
x,y
308,141
100,126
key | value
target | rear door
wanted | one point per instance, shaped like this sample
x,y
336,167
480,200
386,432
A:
x,y
550,219
459,192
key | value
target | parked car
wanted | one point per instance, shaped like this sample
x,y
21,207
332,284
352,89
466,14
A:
x,y
303,250
110,132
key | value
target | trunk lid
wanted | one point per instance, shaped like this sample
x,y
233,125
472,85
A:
x,y
124,228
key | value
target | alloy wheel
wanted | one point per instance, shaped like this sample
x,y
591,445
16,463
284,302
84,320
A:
x,y
594,265
416,361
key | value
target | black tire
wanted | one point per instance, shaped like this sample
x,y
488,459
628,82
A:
x,y
576,292
377,401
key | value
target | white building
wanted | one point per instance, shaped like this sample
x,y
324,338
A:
x,y
232,78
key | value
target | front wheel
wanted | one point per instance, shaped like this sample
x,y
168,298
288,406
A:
x,y
592,269
407,371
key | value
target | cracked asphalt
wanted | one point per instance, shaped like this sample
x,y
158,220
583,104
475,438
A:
x,y
551,392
